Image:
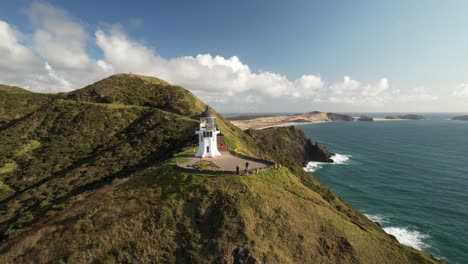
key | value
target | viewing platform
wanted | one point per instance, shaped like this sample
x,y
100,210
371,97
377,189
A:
x,y
227,163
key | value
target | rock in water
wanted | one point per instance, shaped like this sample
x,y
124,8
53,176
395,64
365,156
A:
x,y
317,152
411,117
463,117
365,118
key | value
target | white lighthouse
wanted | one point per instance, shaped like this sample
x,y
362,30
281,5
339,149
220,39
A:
x,y
208,133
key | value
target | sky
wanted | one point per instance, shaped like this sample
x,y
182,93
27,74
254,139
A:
x,y
249,56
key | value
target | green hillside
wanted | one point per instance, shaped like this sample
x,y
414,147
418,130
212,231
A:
x,y
132,89
89,177
16,102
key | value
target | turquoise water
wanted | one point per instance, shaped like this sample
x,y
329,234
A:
x,y
410,176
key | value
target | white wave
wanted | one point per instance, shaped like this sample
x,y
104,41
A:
x,y
408,237
337,159
377,218
312,166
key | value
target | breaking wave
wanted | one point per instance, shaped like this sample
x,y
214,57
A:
x,y
337,159
405,236
408,237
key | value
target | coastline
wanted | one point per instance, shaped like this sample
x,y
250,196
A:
x,y
246,121
259,124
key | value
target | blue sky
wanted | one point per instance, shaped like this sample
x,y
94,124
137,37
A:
x,y
355,55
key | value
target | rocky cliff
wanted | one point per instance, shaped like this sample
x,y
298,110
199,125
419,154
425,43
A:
x,y
289,145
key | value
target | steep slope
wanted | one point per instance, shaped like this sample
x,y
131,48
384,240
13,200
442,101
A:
x,y
167,216
289,145
86,181
16,102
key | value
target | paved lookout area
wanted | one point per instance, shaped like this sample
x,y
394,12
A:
x,y
227,162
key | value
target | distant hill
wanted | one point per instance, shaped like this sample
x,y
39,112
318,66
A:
x,y
463,117
13,89
84,179
265,121
132,89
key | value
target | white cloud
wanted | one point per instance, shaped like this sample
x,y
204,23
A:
x,y
63,64
204,73
56,77
380,94
354,92
58,38
308,85
417,94
14,55
461,91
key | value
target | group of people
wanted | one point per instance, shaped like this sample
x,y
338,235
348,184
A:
x,y
246,170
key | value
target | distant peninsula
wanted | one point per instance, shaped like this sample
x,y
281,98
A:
x,y
405,117
265,121
463,118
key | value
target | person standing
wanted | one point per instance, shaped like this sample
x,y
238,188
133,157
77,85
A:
x,y
237,170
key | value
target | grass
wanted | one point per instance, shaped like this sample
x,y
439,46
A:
x,y
181,157
174,216
205,165
28,148
89,213
8,167
231,143
5,191
16,102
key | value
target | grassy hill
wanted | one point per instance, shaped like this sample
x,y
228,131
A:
x,y
16,102
85,179
132,89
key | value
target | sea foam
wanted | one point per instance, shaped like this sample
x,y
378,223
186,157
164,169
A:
x,y
377,218
337,159
405,236
408,237
340,159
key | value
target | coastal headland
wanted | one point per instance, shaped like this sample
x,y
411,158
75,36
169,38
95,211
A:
x,y
266,121
97,175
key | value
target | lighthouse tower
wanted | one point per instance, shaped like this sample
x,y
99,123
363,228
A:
x,y
208,132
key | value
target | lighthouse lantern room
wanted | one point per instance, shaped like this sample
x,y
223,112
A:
x,y
207,134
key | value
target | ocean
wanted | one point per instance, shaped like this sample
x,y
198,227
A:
x,y
410,176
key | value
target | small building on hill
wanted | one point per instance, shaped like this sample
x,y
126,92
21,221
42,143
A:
x,y
208,135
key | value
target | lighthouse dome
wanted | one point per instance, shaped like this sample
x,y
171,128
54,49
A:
x,y
208,112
